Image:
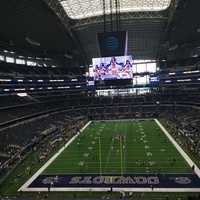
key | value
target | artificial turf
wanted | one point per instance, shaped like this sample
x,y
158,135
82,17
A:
x,y
68,161
118,148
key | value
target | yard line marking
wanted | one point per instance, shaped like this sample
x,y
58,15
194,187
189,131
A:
x,y
133,166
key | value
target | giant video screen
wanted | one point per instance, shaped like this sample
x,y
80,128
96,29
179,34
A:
x,y
112,68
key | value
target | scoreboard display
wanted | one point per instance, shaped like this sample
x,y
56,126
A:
x,y
112,68
112,71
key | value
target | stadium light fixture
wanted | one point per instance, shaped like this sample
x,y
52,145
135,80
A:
x,y
173,47
68,56
33,42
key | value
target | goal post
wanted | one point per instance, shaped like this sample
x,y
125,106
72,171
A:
x,y
111,176
121,156
100,158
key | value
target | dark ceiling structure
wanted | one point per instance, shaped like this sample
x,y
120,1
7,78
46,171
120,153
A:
x,y
169,34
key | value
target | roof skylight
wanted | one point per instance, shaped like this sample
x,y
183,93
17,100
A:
x,y
77,9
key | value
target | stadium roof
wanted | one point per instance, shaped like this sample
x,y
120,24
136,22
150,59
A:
x,y
89,8
157,30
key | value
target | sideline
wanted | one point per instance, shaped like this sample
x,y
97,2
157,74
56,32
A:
x,y
25,186
185,156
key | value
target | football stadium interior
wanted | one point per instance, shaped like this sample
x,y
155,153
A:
x,y
100,99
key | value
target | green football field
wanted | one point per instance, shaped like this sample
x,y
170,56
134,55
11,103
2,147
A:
x,y
117,148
